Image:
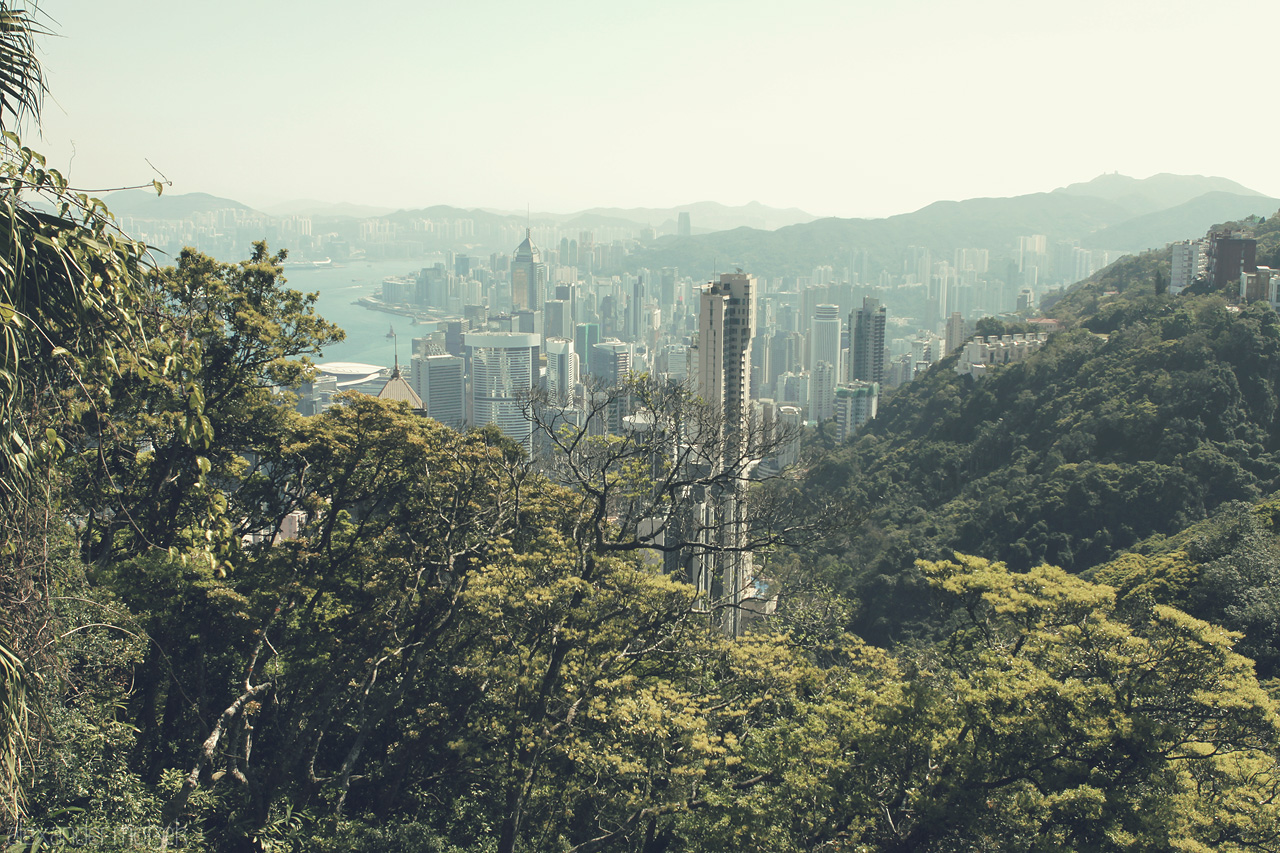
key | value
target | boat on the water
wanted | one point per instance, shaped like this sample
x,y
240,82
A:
x,y
320,264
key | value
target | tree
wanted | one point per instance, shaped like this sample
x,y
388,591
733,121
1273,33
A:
x,y
15,686
66,291
177,453
22,85
654,469
1051,720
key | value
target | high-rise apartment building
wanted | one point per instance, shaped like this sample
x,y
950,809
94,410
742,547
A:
x,y
855,404
822,391
726,326
955,332
866,342
1230,255
439,382
1189,259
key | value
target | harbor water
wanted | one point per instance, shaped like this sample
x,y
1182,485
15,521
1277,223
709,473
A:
x,y
341,285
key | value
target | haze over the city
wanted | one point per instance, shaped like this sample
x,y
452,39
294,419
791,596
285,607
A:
x,y
839,107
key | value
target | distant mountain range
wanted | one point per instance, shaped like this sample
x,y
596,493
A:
x,y
705,216
1155,193
145,204
1111,211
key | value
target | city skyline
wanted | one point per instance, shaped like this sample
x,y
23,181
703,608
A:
x,y
849,109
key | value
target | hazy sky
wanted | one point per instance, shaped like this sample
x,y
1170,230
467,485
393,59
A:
x,y
840,107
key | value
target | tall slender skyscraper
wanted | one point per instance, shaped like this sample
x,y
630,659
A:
x,y
585,337
562,371
528,276
825,331
866,342
955,332
726,326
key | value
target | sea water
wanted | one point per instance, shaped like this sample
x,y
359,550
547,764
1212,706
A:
x,y
338,287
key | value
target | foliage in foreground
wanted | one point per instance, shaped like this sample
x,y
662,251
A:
x,y
441,661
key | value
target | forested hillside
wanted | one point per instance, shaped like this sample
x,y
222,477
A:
x,y
1142,419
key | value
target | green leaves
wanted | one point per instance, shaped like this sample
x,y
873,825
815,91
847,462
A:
x,y
67,286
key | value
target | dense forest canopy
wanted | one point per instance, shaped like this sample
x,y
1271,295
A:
x,y
459,652
1142,419
440,660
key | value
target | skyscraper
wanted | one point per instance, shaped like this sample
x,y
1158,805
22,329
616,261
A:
x,y
504,369
866,341
562,371
955,332
825,331
439,382
726,326
612,361
556,319
528,276
585,337
822,391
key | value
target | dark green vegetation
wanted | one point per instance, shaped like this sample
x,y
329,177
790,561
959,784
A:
x,y
1146,417
456,653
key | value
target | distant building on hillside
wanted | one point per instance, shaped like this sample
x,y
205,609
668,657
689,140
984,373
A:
x,y
855,404
1189,259
981,354
1261,284
955,332
1230,255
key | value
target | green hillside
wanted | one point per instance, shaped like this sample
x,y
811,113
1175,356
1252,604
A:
x,y
1225,569
1146,417
145,204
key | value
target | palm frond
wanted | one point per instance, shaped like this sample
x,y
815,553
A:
x,y
22,86
15,684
